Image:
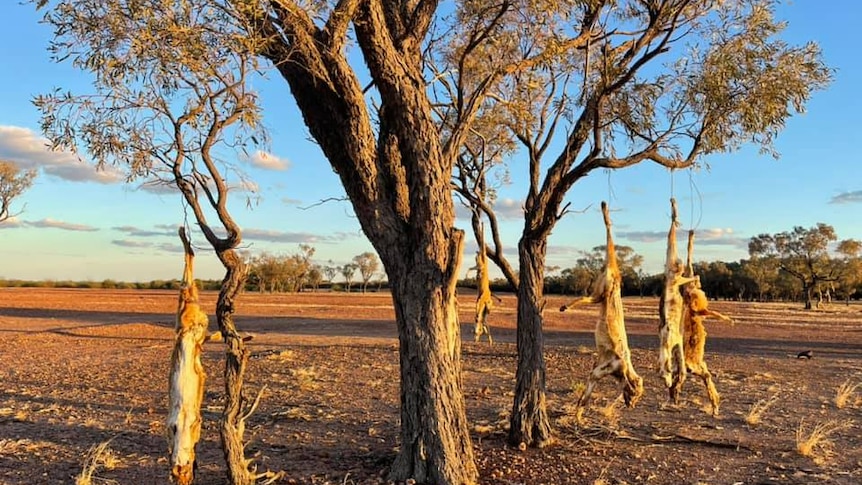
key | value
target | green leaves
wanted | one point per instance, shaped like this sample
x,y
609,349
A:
x,y
13,183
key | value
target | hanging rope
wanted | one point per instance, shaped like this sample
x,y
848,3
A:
x,y
692,186
188,229
610,187
670,170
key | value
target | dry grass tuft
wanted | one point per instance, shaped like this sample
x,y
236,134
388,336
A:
x,y
305,378
845,393
99,456
578,388
573,416
298,413
610,413
283,356
817,443
759,409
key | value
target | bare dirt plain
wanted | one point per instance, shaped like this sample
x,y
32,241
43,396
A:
x,y
80,367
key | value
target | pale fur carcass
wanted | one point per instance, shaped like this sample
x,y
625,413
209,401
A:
x,y
671,360
186,380
613,354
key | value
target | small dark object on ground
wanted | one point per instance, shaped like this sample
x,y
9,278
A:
x,y
805,354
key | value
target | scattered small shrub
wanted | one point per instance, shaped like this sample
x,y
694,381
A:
x,y
845,392
759,409
99,456
816,443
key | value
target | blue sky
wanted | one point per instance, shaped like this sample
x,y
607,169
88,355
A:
x,y
86,225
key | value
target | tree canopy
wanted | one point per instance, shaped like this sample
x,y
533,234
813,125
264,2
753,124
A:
x,y
802,253
13,183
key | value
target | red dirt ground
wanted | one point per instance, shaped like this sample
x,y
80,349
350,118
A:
x,y
81,367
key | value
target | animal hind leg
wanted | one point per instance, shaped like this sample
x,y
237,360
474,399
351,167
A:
x,y
600,370
702,371
678,373
481,327
633,386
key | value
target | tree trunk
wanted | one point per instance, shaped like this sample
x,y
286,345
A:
x,y
809,297
529,421
232,426
435,440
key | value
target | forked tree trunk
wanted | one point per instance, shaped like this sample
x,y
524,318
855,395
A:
x,y
809,297
529,421
435,440
232,428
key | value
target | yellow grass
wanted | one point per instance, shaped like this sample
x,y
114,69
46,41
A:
x,y
99,456
845,392
816,443
578,388
759,409
610,413
572,417
305,378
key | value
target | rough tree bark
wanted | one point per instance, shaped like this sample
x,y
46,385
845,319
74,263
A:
x,y
529,421
397,176
234,415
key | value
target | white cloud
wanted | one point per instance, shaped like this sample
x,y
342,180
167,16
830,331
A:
x,y
159,187
11,222
171,248
49,223
504,209
643,236
29,150
719,237
281,237
847,198
509,209
246,185
131,244
160,230
268,161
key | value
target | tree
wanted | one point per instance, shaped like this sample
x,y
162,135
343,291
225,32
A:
x,y
763,272
396,163
315,277
668,81
331,271
578,279
170,93
13,183
588,267
802,253
367,265
264,269
849,267
298,267
347,271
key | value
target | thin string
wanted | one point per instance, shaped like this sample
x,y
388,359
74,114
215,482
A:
x,y
693,189
610,187
185,205
670,170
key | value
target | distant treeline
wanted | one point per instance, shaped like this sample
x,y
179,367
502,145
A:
x,y
108,284
744,280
